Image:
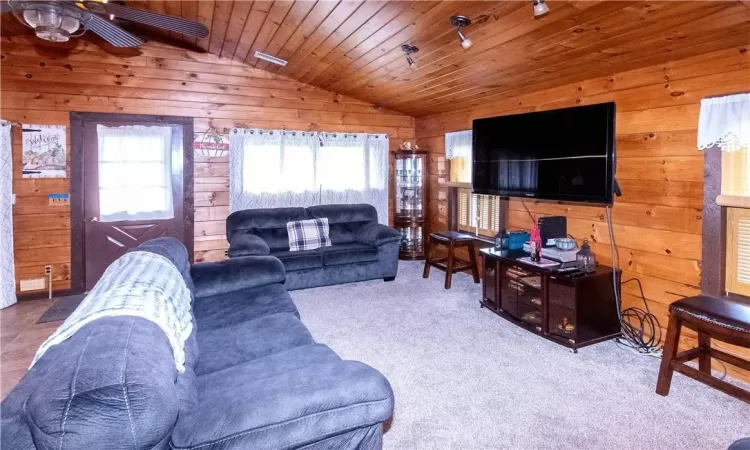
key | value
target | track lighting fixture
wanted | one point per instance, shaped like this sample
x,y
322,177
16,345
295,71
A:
x,y
540,8
461,22
410,50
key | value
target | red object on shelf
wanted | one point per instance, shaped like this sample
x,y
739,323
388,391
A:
x,y
536,238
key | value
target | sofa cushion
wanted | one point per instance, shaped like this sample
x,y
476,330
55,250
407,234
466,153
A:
x,y
114,382
268,224
348,254
289,409
237,344
240,306
344,221
300,260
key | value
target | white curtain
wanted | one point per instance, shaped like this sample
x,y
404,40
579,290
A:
x,y
7,268
725,122
135,173
276,168
458,149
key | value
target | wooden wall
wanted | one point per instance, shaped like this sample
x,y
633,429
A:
x,y
657,221
42,83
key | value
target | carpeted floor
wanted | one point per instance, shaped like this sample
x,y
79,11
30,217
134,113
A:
x,y
466,379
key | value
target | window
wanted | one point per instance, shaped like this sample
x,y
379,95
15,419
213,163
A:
x,y
458,151
479,214
273,168
135,173
738,251
735,196
724,128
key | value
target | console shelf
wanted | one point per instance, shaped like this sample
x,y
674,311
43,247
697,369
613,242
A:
x,y
571,311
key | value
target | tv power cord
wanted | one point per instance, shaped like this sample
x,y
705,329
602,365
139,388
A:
x,y
640,329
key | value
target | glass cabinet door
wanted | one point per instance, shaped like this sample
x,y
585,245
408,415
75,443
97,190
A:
x,y
409,186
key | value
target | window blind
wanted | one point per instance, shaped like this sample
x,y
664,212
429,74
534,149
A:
x,y
478,213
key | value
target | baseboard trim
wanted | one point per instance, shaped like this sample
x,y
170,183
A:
x,y
41,295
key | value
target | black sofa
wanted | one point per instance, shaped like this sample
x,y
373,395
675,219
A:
x,y
361,248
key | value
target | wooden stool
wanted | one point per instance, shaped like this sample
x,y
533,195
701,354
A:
x,y
451,264
712,318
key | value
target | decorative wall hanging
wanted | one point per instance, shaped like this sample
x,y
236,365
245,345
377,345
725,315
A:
x,y
211,144
44,149
7,268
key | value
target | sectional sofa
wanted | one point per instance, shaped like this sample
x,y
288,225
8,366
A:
x,y
254,378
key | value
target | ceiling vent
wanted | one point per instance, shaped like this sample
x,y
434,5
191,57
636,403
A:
x,y
271,59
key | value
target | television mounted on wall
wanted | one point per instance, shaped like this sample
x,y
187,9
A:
x,y
563,154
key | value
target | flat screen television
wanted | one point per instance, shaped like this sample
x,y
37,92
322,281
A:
x,y
564,154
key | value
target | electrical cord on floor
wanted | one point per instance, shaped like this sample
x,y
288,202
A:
x,y
640,329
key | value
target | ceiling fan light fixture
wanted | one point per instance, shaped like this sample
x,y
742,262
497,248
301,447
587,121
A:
x,y
51,23
462,22
540,8
409,50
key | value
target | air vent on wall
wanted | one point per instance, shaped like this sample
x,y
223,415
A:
x,y
269,58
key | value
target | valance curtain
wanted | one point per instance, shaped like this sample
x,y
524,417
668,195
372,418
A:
x,y
7,268
458,150
725,122
277,168
135,173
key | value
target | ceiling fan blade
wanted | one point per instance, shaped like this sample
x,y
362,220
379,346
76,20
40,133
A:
x,y
111,32
171,23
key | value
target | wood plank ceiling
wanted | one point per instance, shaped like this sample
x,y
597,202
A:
x,y
353,47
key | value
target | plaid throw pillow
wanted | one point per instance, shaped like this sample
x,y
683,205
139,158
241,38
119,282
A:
x,y
308,234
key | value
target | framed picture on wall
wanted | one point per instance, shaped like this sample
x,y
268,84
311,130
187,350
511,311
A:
x,y
44,150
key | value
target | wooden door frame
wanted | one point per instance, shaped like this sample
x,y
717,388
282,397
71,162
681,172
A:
x,y
77,164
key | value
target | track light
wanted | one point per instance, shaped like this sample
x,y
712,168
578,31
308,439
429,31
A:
x,y
461,22
410,50
540,8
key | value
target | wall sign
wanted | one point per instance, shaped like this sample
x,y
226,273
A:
x,y
211,143
59,199
44,148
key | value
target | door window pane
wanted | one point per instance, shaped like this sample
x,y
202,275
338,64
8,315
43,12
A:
x,y
135,173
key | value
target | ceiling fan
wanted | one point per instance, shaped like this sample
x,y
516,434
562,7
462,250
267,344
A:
x,y
59,20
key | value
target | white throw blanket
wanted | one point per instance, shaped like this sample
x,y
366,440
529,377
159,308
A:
x,y
140,284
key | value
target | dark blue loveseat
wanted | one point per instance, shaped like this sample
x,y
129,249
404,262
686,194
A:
x,y
361,248
254,379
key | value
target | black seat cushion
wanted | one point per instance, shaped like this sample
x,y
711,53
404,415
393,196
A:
x,y
300,260
348,254
717,311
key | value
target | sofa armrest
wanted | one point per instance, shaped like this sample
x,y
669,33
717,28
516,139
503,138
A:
x,y
247,245
230,275
291,409
377,234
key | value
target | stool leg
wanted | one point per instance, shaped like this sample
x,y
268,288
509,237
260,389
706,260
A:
x,y
474,266
428,247
670,350
704,360
449,266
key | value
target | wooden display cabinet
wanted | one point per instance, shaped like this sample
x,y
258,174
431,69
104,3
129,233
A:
x,y
409,218
572,311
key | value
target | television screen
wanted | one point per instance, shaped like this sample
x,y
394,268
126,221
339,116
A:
x,y
564,154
